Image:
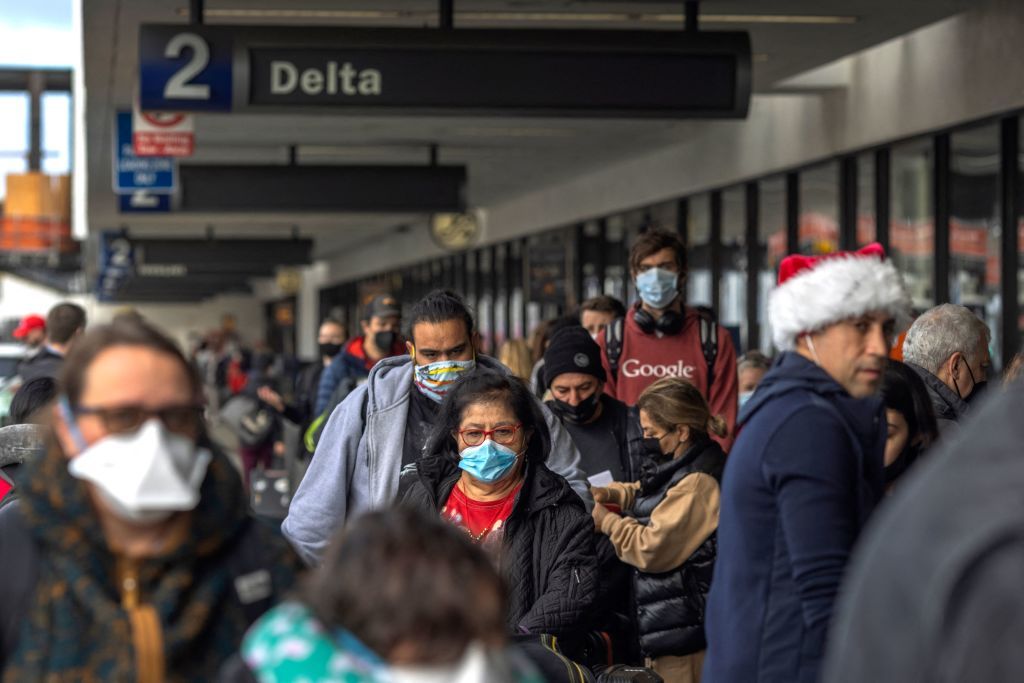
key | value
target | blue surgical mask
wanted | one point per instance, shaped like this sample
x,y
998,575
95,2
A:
x,y
434,380
488,462
658,287
744,397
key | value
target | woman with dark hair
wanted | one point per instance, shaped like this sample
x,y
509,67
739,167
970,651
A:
x,y
400,597
129,554
910,417
484,471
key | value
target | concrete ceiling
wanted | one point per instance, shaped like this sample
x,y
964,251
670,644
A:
x,y
506,157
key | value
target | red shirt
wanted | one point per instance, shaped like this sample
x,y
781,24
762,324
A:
x,y
5,488
647,357
482,520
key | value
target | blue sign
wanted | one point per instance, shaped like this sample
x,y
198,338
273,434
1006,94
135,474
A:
x,y
132,172
185,68
142,201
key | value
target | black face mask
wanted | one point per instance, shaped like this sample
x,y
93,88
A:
x,y
652,449
330,350
385,340
976,393
578,414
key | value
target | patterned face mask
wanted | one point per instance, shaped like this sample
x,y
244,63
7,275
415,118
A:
x,y
434,380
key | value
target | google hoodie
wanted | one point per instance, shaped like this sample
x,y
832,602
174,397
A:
x,y
647,358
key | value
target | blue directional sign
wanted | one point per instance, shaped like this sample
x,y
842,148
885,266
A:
x,y
185,68
133,173
142,201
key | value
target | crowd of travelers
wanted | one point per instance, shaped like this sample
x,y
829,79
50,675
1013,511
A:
x,y
620,498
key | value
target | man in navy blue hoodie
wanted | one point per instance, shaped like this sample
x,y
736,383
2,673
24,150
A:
x,y
806,470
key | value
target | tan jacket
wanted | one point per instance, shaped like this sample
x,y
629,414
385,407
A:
x,y
684,519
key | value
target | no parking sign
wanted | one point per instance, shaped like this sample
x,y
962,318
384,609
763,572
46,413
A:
x,y
162,134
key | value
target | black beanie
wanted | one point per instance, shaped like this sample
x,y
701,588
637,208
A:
x,y
572,350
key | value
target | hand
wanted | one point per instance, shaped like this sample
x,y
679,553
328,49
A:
x,y
599,513
600,494
271,398
280,449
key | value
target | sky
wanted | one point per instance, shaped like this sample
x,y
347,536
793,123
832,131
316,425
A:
x,y
35,33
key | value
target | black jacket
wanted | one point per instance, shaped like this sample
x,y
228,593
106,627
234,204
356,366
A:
x,y
45,363
949,408
548,558
300,410
670,605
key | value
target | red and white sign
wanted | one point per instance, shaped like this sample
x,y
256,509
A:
x,y
162,134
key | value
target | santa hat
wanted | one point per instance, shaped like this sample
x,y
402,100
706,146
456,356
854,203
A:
x,y
815,292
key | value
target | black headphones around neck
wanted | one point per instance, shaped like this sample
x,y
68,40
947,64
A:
x,y
670,322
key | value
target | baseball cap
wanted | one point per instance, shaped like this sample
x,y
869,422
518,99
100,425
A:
x,y
29,323
382,306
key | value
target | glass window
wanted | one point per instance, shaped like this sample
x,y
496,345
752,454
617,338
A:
x,y
485,299
13,137
867,231
663,216
616,256
974,226
501,299
819,209
732,289
471,286
518,324
698,250
771,248
592,257
912,226
56,133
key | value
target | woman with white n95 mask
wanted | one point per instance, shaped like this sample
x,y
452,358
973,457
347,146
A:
x,y
136,558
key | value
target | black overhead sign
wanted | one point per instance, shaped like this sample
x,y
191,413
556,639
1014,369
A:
x,y
368,189
663,74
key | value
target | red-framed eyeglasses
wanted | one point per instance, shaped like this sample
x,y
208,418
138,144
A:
x,y
473,436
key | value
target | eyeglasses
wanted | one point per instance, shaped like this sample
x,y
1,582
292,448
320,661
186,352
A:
x,y
181,419
503,435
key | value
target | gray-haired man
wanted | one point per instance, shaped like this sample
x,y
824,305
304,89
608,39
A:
x,y
948,347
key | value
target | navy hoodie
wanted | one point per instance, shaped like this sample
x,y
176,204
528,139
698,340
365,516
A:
x,y
799,485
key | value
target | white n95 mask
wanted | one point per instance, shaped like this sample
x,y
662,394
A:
x,y
144,476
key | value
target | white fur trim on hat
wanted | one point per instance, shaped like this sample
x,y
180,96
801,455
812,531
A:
x,y
833,290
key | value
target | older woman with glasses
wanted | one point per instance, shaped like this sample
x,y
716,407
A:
x,y
484,471
129,554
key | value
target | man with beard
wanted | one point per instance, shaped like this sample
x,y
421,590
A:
x,y
806,470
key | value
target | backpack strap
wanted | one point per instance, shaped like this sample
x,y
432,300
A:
x,y
708,341
613,332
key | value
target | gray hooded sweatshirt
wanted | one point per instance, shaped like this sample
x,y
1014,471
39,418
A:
x,y
359,458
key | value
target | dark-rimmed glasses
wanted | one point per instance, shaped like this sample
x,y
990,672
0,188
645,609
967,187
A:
x,y
184,419
474,436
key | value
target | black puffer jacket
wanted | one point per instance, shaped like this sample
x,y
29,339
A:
x,y
548,558
670,605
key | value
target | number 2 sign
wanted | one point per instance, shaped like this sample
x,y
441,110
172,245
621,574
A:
x,y
186,68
